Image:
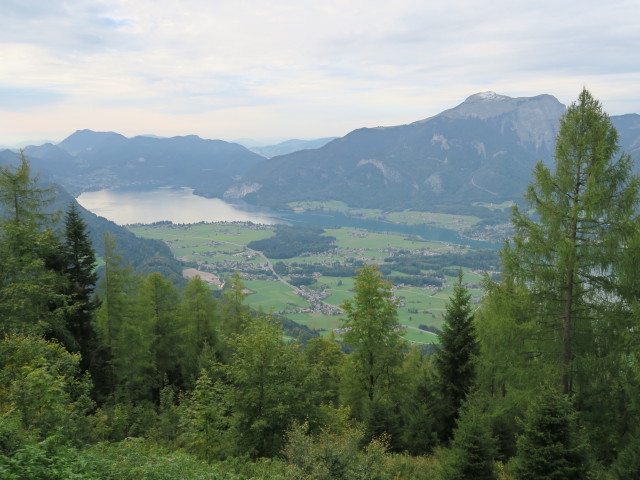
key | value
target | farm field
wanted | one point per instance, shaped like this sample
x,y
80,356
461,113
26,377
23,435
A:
x,y
221,249
458,223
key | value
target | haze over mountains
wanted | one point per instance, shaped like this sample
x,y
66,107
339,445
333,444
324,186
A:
x,y
483,150
289,146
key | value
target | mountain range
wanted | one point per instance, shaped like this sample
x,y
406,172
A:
x,y
90,160
482,151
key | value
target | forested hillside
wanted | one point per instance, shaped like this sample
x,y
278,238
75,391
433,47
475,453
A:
x,y
145,255
92,160
133,377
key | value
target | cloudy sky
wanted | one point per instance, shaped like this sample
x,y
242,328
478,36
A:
x,y
280,69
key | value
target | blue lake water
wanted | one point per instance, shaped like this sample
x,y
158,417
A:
x,y
180,205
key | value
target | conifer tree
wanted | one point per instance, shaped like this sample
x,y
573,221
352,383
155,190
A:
x,y
372,368
456,357
233,314
158,308
23,199
80,271
473,449
32,295
124,366
198,314
570,258
550,445
573,261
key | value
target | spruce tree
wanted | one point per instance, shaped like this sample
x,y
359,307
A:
x,y
473,449
551,445
455,359
80,271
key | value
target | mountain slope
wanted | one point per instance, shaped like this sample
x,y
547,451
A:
x,y
89,160
481,151
145,255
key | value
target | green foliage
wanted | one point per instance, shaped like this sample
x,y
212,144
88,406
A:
x,y
373,333
324,360
456,358
198,314
551,444
46,460
269,388
571,257
41,387
157,307
80,271
334,454
22,197
473,450
205,421
417,396
33,295
627,464
143,460
126,371
372,370
570,267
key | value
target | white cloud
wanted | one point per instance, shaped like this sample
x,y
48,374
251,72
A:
x,y
240,68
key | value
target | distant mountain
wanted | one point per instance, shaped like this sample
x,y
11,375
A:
x,y
628,127
483,150
91,160
290,146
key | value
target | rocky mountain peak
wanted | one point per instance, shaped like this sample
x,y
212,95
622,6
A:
x,y
534,120
485,97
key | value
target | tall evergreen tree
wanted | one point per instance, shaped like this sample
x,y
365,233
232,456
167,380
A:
x,y
233,314
124,365
419,402
456,357
199,315
23,198
80,270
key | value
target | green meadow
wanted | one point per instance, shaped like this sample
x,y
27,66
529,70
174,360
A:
x,y
221,249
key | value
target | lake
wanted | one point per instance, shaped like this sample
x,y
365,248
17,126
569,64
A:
x,y
180,205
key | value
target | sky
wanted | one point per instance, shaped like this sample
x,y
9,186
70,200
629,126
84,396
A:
x,y
281,69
